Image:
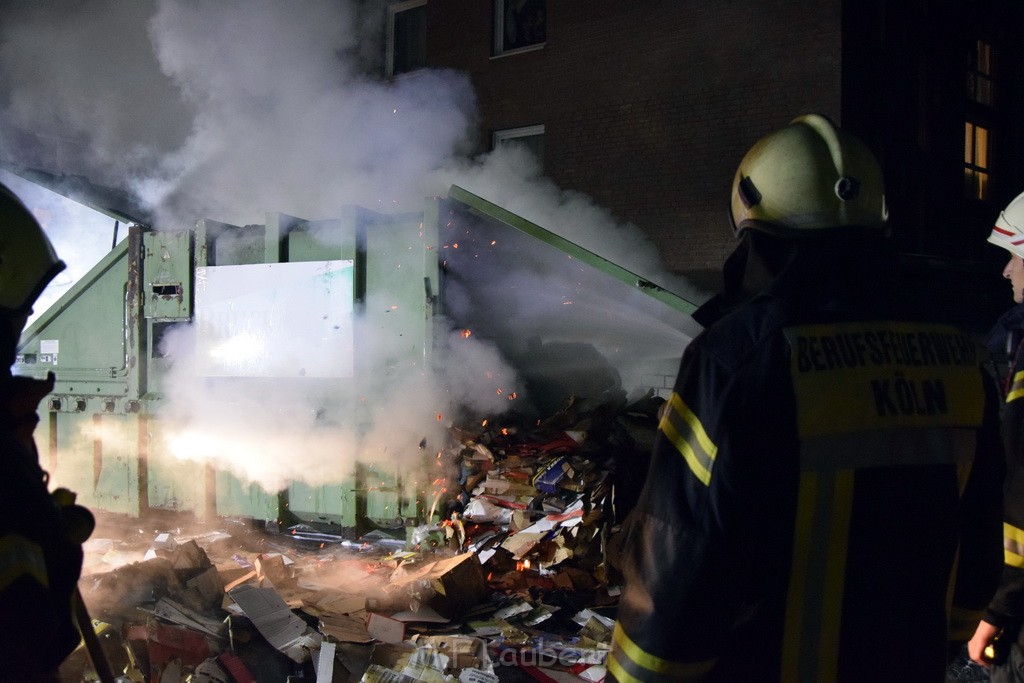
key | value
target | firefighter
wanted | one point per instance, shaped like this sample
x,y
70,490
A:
x,y
998,640
823,501
40,533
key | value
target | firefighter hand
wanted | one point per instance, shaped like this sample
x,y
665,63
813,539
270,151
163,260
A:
x,y
79,521
981,645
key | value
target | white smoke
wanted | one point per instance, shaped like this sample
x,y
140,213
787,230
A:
x,y
80,236
232,109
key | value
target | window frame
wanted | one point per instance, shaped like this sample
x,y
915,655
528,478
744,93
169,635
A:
x,y
498,35
499,136
979,170
979,77
389,42
981,96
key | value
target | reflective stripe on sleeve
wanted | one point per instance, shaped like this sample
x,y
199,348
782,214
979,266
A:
x,y
1013,546
1017,388
630,664
682,428
20,557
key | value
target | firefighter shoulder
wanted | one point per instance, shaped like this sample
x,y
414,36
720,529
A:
x,y
823,499
40,532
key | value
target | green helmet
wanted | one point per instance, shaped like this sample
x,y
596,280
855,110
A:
x,y
807,178
27,260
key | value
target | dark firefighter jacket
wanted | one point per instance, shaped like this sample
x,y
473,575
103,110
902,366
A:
x,y
823,500
1007,607
40,561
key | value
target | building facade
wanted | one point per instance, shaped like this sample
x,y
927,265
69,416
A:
x,y
647,107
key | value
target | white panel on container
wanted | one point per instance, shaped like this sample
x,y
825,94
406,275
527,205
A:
x,y
275,320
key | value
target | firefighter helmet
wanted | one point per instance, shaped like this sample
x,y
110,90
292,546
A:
x,y
806,178
1008,232
27,260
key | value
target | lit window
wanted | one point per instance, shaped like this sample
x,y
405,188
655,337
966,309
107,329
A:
x,y
519,25
979,74
529,137
977,142
407,37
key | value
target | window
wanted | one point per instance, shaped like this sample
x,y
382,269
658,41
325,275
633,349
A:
x,y
981,93
976,163
519,25
407,37
979,74
528,137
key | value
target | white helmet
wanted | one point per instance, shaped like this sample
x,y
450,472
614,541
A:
x,y
27,260
1008,232
807,178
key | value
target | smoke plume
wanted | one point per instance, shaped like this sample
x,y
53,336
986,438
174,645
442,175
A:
x,y
233,109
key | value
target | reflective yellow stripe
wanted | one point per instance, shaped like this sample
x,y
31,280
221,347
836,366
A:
x,y
1017,388
620,674
1013,546
648,664
20,557
817,579
684,430
798,575
835,575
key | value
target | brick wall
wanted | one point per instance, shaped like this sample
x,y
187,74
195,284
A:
x,y
649,106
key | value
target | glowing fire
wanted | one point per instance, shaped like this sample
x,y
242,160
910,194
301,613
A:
x,y
240,348
466,333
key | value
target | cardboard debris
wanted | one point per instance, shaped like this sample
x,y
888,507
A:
x,y
385,629
325,663
170,647
345,628
275,570
512,565
274,620
176,613
451,586
463,652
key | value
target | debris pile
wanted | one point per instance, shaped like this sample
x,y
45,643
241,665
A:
x,y
510,583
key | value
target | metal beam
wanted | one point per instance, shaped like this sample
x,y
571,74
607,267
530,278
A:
x,y
490,210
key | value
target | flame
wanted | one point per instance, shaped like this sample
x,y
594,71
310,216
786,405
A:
x,y
466,333
241,348
484,423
